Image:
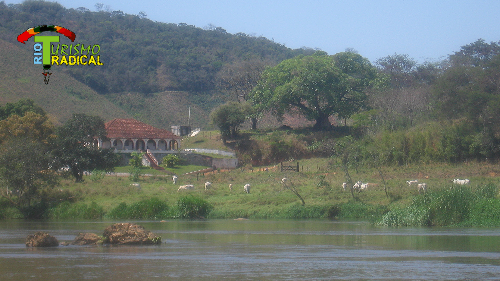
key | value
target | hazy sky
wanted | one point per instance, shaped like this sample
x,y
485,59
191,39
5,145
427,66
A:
x,y
423,29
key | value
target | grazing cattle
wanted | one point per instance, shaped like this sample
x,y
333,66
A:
x,y
230,187
136,185
412,182
208,185
246,188
422,187
174,179
344,186
284,180
357,186
186,187
363,186
461,182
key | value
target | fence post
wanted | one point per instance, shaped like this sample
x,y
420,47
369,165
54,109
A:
x,y
297,166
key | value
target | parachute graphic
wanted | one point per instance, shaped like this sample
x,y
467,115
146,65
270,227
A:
x,y
23,37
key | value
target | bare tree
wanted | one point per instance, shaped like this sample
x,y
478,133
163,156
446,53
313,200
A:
x,y
239,78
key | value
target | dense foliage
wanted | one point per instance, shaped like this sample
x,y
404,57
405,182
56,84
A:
x,y
317,86
76,147
141,55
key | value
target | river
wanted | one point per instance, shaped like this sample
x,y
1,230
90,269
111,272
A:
x,y
256,250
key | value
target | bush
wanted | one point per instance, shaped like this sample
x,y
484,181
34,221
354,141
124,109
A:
x,y
458,206
152,208
67,210
171,160
298,211
97,175
192,207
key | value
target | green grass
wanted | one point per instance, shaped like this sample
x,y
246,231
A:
x,y
268,198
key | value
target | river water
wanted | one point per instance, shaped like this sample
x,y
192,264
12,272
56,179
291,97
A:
x,y
256,250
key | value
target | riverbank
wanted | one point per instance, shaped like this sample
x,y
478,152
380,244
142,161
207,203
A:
x,y
319,183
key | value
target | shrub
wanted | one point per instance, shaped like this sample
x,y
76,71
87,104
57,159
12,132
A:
x,y
97,175
192,207
152,208
67,210
456,206
298,211
171,160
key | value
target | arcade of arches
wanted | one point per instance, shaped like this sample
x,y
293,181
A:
x,y
125,135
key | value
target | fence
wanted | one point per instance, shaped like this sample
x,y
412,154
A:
x,y
290,167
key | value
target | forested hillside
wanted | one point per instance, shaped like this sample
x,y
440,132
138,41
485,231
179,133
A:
x,y
141,55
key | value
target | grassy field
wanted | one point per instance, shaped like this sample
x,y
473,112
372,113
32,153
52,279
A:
x,y
319,183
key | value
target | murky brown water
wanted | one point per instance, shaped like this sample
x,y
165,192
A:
x,y
256,250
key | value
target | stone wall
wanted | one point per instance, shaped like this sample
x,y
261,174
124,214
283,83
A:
x,y
191,158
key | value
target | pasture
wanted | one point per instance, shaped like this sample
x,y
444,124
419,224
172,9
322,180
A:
x,y
319,183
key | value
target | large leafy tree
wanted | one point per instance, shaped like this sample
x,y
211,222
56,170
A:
x,y
76,146
318,86
32,125
26,169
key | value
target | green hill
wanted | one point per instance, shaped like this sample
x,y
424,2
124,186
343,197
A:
x,y
152,71
62,97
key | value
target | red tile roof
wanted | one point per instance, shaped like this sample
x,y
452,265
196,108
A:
x,y
133,129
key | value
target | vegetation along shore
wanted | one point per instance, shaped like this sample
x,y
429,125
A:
x,y
394,141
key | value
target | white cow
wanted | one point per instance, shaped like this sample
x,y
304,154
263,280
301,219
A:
x,y
344,186
136,184
410,182
363,186
247,188
357,186
422,187
461,182
284,180
186,187
174,179
208,185
230,187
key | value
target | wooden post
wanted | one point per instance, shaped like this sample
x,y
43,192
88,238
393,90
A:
x,y
297,166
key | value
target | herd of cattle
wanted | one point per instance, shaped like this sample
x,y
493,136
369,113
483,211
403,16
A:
x,y
358,186
421,187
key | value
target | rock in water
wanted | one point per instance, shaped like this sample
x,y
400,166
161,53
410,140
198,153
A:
x,y
41,239
129,234
87,239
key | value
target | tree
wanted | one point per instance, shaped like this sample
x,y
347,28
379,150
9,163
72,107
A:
x,y
76,146
32,125
25,170
400,69
20,108
239,78
318,86
475,54
228,117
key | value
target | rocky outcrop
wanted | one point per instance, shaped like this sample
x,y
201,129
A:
x,y
41,239
129,234
87,239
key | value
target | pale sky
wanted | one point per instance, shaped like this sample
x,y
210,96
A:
x,y
426,30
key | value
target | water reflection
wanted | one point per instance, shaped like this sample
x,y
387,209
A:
x,y
264,250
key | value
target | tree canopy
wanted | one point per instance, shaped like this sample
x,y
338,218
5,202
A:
x,y
76,146
25,170
318,86
228,117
